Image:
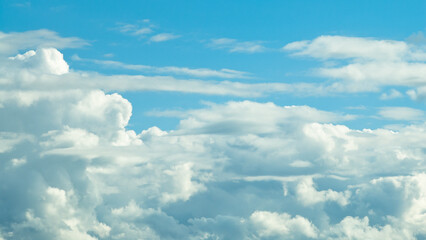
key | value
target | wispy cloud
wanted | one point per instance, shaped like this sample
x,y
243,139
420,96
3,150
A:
x,y
145,29
11,43
22,4
196,72
402,113
162,37
233,45
53,73
417,38
135,29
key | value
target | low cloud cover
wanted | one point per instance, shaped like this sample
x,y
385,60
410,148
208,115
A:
x,y
241,165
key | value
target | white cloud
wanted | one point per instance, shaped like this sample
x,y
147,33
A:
x,y
11,43
223,119
44,60
379,74
270,224
59,217
300,164
341,47
181,184
356,228
136,29
391,95
132,210
308,195
16,162
233,45
417,94
162,37
35,80
366,64
81,173
402,113
9,140
70,137
196,72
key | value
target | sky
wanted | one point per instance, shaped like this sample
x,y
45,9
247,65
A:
x,y
212,119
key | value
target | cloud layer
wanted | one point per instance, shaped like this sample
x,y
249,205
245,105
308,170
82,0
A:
x,y
71,167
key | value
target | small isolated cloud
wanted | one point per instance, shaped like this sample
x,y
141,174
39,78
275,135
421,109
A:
x,y
145,29
162,37
233,45
139,29
16,162
402,113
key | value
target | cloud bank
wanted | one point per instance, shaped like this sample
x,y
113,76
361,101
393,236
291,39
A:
x,y
71,168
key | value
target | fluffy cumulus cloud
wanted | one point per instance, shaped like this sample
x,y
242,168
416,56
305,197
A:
x,y
71,168
283,225
366,64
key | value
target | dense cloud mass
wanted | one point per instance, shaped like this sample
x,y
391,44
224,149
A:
x,y
70,168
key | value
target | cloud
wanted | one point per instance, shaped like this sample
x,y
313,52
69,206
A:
x,y
417,94
270,224
222,119
162,37
11,43
365,64
391,95
141,29
44,60
308,195
196,72
71,167
356,228
145,29
402,113
233,45
39,72
138,188
417,38
10,139
341,47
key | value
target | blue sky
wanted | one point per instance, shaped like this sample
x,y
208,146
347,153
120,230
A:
x,y
270,24
212,119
